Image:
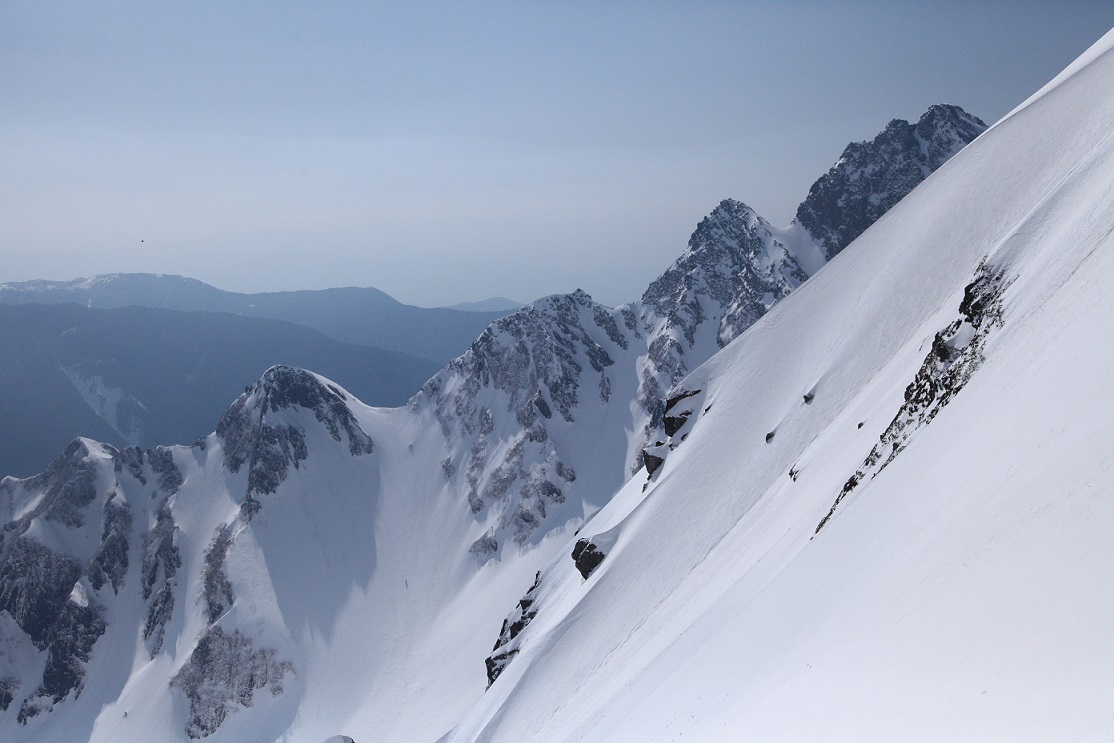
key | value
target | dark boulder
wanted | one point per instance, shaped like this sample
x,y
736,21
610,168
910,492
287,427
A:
x,y
587,557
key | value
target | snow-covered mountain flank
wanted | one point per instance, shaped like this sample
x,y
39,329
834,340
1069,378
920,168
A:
x,y
882,513
875,485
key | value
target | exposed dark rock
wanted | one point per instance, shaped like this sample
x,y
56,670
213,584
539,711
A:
x,y
160,551
542,406
871,177
678,397
497,662
287,387
158,614
542,358
674,420
525,521
270,449
131,457
276,447
537,347
733,261
651,461
587,557
505,647
566,472
161,561
548,357
485,546
162,464
218,591
9,687
509,471
35,583
673,423
73,634
770,437
222,674
537,433
110,563
69,485
955,355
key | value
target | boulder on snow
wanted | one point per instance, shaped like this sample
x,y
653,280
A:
x,y
653,457
587,557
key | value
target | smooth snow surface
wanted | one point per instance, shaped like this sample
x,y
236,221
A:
x,y
963,593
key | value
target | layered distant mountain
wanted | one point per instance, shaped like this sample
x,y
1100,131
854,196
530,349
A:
x,y
317,566
367,317
141,376
491,304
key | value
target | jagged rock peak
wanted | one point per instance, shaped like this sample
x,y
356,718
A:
x,y
949,126
255,433
734,264
537,352
871,177
720,235
714,254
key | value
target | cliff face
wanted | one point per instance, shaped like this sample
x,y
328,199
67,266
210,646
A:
x,y
871,177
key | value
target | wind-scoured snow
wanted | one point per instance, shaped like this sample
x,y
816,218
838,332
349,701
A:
x,y
959,592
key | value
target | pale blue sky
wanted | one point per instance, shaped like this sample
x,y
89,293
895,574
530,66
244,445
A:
x,y
448,152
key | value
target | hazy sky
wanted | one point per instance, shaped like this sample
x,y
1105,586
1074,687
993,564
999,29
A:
x,y
449,152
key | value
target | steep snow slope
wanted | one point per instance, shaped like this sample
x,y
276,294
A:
x,y
946,381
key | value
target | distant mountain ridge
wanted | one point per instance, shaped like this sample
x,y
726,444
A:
x,y
365,316
143,376
491,304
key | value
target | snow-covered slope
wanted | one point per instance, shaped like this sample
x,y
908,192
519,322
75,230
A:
x,y
885,515
317,567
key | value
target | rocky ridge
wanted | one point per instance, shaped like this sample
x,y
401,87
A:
x,y
99,529
871,177
561,359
